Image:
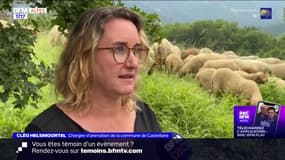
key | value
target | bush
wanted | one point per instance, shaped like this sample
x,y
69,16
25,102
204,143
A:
x,y
20,77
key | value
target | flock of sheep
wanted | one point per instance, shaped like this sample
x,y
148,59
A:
x,y
218,72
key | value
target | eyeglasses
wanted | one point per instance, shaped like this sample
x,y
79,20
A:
x,y
121,53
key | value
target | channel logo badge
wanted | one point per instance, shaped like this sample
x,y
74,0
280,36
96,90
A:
x,y
265,13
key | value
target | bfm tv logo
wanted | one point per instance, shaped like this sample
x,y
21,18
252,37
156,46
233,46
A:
x,y
22,13
244,116
265,13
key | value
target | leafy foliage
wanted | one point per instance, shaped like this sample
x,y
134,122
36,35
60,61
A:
x,y
42,22
6,5
152,25
16,119
20,77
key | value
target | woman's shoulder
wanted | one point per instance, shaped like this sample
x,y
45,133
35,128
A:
x,y
144,108
52,119
146,119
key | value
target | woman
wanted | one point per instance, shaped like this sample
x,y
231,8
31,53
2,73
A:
x,y
97,76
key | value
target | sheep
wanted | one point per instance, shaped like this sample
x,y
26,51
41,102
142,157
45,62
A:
x,y
270,60
226,80
205,78
173,63
221,63
186,68
230,54
56,37
148,65
196,62
176,50
258,77
190,51
151,53
154,49
164,49
253,66
187,59
205,51
249,57
278,70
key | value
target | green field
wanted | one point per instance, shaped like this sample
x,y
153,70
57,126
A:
x,y
179,103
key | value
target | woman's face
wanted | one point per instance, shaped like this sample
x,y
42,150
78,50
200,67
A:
x,y
109,76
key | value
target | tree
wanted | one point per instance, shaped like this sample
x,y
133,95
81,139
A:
x,y
153,27
20,77
220,35
256,41
281,42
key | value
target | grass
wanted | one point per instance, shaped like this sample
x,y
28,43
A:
x,y
45,50
180,104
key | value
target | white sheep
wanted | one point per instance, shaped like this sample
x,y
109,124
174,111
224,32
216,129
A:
x,y
154,49
205,78
205,51
270,60
221,63
164,49
258,77
56,37
173,63
176,50
196,62
278,70
190,51
253,66
226,80
187,59
230,54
